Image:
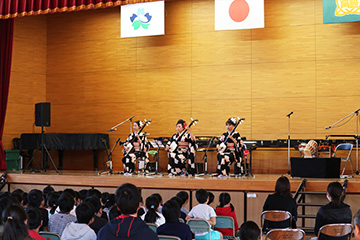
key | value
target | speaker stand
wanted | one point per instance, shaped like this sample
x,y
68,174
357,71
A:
x,y
44,150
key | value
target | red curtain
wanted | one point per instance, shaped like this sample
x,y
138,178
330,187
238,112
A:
x,y
6,43
20,8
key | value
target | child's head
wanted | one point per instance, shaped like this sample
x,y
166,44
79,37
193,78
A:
x,y
158,196
96,204
35,198
15,219
249,231
85,213
34,218
211,198
66,202
127,198
202,195
171,211
114,212
152,204
183,195
224,199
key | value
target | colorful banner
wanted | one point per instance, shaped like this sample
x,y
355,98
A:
x,y
336,11
143,19
239,14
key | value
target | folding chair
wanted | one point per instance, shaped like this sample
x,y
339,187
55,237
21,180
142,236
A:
x,y
181,220
50,235
338,230
199,225
166,237
226,222
285,234
152,226
345,147
275,216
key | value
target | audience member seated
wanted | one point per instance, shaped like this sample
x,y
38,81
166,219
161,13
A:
x,y
152,215
108,203
80,230
52,200
127,225
357,225
180,202
172,227
159,198
6,200
249,231
225,208
184,196
15,220
114,212
58,221
142,210
34,223
211,199
204,211
36,200
335,211
281,200
98,222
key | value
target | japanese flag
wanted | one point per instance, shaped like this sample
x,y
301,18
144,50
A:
x,y
143,19
239,14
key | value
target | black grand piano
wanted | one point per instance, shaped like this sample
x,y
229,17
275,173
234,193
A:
x,y
66,141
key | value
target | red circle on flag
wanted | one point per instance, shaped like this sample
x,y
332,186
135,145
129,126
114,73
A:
x,y
239,10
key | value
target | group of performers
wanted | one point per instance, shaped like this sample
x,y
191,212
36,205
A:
x,y
181,149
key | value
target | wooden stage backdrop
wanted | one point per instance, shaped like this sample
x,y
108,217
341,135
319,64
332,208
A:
x,y
94,79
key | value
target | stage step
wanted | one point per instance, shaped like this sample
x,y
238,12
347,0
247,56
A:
x,y
313,193
306,216
311,204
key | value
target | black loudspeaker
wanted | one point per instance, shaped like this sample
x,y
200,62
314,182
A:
x,y
42,114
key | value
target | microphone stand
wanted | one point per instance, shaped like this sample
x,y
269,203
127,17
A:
x,y
129,119
288,116
109,155
356,136
205,158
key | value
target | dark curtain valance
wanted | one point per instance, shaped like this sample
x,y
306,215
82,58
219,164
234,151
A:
x,y
21,8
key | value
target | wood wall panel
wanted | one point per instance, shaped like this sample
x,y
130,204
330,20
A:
x,y
296,43
175,10
293,79
327,82
67,118
120,86
337,41
221,47
156,85
281,13
103,25
230,81
202,16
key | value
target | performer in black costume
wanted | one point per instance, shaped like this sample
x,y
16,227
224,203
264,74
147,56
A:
x,y
232,153
185,153
139,151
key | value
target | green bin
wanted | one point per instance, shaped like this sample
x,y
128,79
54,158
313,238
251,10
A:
x,y
12,159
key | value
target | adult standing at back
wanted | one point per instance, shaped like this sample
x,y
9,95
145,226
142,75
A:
x,y
281,200
336,211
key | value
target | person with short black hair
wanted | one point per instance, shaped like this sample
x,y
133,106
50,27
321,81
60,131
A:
x,y
204,211
172,227
114,212
15,220
249,231
180,202
58,221
36,200
211,198
184,153
80,230
281,200
336,211
127,225
184,196
98,222
34,223
152,215
225,208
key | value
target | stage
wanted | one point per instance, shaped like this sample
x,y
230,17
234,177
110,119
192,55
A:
x,y
256,183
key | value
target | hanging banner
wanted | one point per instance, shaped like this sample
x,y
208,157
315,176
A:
x,y
239,14
143,19
337,11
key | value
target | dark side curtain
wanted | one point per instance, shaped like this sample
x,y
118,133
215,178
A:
x,y
6,44
20,8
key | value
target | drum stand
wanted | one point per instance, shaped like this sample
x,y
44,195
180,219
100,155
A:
x,y
205,158
109,162
289,141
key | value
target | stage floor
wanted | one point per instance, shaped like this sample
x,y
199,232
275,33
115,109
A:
x,y
256,183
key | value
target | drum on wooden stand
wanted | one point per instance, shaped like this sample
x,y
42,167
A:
x,y
311,149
